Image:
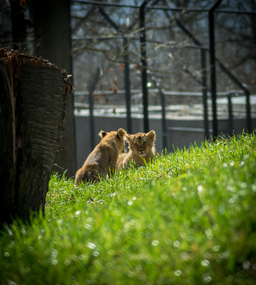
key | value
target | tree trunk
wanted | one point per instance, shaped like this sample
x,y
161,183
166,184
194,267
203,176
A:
x,y
19,26
52,41
33,98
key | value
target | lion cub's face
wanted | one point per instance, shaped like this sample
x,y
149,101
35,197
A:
x,y
141,143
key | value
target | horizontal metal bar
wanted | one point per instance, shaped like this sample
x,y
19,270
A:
x,y
135,6
196,130
235,12
180,129
180,9
108,92
171,93
105,4
175,93
167,93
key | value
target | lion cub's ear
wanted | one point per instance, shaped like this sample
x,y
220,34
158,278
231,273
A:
x,y
129,138
121,133
151,135
102,134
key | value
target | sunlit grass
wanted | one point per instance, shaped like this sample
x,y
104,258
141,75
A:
x,y
186,218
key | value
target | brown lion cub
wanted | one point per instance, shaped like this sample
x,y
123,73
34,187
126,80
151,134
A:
x,y
141,149
102,160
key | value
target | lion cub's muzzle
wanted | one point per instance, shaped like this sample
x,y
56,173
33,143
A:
x,y
141,152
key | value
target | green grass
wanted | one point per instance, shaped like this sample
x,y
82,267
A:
x,y
187,218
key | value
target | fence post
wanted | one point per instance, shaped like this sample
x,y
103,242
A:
x,y
204,91
144,64
248,110
127,87
92,88
213,69
164,128
230,115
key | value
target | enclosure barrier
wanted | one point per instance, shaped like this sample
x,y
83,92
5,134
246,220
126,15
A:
x,y
213,60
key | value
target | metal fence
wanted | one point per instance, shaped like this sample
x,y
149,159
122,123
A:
x,y
206,91
163,110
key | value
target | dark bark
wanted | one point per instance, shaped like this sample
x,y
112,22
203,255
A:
x,y
33,98
52,41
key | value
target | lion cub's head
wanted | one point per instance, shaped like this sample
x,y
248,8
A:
x,y
113,136
141,143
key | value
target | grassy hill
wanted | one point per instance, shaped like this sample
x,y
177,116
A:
x,y
187,218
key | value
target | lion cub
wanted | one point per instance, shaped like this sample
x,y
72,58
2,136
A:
x,y
141,149
102,160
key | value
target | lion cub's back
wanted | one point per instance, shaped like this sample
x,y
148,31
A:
x,y
102,159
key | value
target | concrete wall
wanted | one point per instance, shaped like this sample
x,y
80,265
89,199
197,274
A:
x,y
176,138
